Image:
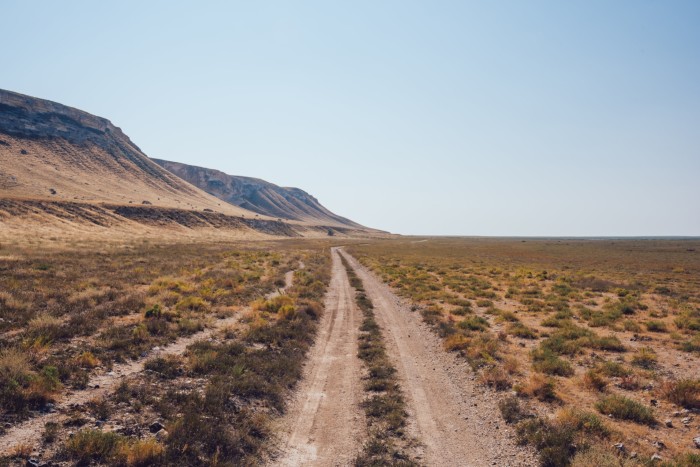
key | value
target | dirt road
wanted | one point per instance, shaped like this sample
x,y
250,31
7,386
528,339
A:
x,y
457,422
324,424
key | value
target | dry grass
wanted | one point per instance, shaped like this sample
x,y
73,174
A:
x,y
83,312
576,320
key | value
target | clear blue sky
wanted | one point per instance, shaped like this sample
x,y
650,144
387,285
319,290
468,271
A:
x,y
418,117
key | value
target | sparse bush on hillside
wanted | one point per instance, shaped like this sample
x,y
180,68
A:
x,y
626,409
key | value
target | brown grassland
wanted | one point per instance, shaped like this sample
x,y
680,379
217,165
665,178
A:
x,y
593,344
68,316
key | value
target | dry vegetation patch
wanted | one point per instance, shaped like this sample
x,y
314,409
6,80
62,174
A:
x,y
86,312
609,327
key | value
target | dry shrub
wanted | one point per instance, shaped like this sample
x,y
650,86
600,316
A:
x,y
14,364
496,377
456,342
645,358
45,326
540,387
594,380
87,360
140,453
599,456
583,422
511,365
685,392
629,383
22,450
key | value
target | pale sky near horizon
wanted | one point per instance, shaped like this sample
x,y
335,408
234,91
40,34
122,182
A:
x,y
577,118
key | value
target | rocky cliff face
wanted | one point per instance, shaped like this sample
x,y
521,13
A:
x,y
31,118
258,195
52,151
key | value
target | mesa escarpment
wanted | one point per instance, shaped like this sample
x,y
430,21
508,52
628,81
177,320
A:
x,y
52,151
69,170
258,195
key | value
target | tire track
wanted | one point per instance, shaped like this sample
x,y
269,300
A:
x,y
443,411
324,425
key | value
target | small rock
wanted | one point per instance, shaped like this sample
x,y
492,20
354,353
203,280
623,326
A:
x,y
659,445
686,421
619,446
696,440
654,402
97,386
161,435
31,462
669,423
155,427
656,457
633,455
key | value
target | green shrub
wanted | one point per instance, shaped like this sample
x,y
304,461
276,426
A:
x,y
656,326
474,323
625,408
546,361
645,358
518,329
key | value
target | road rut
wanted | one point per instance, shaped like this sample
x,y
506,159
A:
x,y
324,424
456,425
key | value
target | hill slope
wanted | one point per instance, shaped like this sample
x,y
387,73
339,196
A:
x,y
54,152
258,195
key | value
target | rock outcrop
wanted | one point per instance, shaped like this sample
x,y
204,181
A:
x,y
258,195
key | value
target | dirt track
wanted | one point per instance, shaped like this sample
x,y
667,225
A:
x,y
324,424
457,422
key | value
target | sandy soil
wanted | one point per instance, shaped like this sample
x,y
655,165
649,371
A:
x,y
324,424
457,422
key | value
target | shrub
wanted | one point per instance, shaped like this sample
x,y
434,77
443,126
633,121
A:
x,y
656,326
518,329
599,456
140,452
539,387
555,445
645,358
87,360
612,369
583,422
495,377
546,361
474,323
167,367
594,380
511,410
93,445
685,392
625,408
193,303
45,326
